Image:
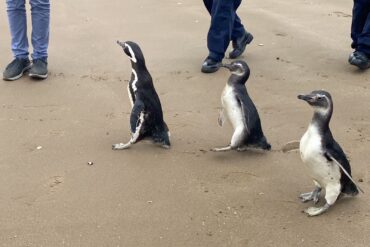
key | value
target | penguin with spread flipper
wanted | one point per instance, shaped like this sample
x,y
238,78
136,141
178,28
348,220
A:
x,y
324,158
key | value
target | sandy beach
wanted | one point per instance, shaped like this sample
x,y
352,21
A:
x,y
186,196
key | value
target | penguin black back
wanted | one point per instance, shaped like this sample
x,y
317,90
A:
x,y
146,106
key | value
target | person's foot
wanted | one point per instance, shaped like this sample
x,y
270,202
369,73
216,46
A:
x,y
39,69
16,69
240,44
210,66
359,59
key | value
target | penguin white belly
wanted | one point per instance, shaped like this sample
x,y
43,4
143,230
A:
x,y
322,171
232,107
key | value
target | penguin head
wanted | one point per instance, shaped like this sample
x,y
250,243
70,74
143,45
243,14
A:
x,y
320,100
133,51
239,69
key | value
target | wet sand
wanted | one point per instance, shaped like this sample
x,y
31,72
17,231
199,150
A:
x,y
185,196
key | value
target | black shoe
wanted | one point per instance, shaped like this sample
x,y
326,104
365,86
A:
x,y
359,59
210,65
39,69
240,44
16,69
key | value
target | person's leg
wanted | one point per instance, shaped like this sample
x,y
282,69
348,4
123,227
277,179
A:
x,y
219,35
40,10
18,27
359,16
240,37
208,4
360,34
363,40
238,28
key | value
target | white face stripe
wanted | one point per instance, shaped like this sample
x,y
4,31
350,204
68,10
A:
x,y
133,58
134,81
321,110
236,72
239,65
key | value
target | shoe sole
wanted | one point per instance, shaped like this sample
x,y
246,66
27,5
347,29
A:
x,y
247,42
360,66
38,76
17,76
208,71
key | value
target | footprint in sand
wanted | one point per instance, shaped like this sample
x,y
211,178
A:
x,y
341,14
55,182
40,193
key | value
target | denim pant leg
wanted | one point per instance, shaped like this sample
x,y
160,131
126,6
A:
x,y
363,41
40,11
360,12
238,28
18,27
208,4
222,22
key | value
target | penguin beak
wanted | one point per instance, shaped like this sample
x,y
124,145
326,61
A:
x,y
121,43
227,66
307,97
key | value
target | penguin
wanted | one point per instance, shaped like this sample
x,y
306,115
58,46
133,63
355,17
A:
x,y
239,108
324,158
146,119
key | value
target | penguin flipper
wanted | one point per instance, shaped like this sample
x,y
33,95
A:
x,y
330,157
246,115
222,149
137,109
221,117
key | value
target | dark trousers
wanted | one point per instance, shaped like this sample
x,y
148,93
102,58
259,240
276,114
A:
x,y
225,26
360,32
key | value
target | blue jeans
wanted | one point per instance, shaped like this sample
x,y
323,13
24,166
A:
x,y
225,26
40,13
360,32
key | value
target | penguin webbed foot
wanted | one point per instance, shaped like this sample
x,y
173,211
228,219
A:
x,y
223,149
121,146
311,196
242,149
315,211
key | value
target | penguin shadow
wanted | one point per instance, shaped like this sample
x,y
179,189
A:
x,y
357,71
249,153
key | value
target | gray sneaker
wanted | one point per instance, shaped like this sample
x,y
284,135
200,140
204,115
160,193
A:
x,y
359,59
39,69
16,69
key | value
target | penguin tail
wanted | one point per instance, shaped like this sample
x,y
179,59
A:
x,y
268,146
264,144
260,143
350,189
162,138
